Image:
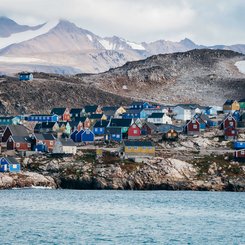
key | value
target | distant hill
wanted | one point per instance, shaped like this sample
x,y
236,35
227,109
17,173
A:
x,y
64,47
204,76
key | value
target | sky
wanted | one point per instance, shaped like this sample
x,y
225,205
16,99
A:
x,y
206,22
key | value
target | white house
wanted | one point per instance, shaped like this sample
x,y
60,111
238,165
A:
x,y
182,113
66,146
159,118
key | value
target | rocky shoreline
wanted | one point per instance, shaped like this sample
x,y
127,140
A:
x,y
85,172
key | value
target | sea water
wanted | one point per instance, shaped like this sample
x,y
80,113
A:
x,y
38,216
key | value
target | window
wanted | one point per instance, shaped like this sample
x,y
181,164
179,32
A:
x,y
231,123
51,142
14,166
113,135
242,152
17,144
118,136
96,130
135,131
194,126
134,126
233,131
101,129
135,147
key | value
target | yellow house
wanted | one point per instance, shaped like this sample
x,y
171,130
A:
x,y
231,106
119,111
135,148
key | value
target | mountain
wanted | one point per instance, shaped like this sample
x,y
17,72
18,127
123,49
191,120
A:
x,y
202,76
63,45
8,27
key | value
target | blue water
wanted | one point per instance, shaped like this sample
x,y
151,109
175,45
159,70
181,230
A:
x,y
121,217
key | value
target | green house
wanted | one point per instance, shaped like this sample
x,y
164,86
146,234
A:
x,y
9,120
242,104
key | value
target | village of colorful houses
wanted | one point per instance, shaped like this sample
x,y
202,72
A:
x,y
65,129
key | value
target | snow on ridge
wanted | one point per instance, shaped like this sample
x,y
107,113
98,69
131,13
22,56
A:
x,y
90,37
135,45
241,66
27,35
107,44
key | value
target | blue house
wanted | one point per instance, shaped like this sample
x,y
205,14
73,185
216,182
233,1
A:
x,y
73,135
25,76
132,114
85,136
113,134
9,164
239,145
140,105
100,126
42,118
237,115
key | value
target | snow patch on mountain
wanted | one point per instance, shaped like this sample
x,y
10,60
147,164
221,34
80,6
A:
x,y
110,45
135,45
90,37
241,66
27,35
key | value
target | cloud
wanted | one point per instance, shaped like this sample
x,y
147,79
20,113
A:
x,y
204,21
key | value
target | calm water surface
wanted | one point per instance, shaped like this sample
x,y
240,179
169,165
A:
x,y
121,217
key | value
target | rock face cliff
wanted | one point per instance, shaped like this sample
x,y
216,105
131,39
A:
x,y
85,172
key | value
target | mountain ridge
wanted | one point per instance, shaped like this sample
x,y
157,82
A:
x,y
67,45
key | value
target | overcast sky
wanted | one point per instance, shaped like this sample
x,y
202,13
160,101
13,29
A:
x,y
205,22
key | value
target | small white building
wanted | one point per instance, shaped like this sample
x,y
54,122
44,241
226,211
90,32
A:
x,y
159,118
65,146
182,113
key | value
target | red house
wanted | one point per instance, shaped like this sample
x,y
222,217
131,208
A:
x,y
46,139
193,127
134,132
229,121
148,128
19,143
230,133
14,130
240,155
63,113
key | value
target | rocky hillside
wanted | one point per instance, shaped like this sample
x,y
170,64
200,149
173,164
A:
x,y
203,76
48,91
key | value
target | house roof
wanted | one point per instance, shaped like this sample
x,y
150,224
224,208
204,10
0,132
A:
x,y
118,122
22,139
80,119
242,100
9,118
229,102
67,142
101,124
112,130
133,111
150,125
58,111
109,113
11,160
191,106
90,108
74,123
109,108
138,143
138,103
18,130
156,115
47,125
41,115
166,127
44,137
75,110
95,116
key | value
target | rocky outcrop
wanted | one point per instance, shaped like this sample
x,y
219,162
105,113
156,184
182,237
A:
x,y
25,179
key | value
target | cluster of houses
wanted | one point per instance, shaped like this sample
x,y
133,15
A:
x,y
64,129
